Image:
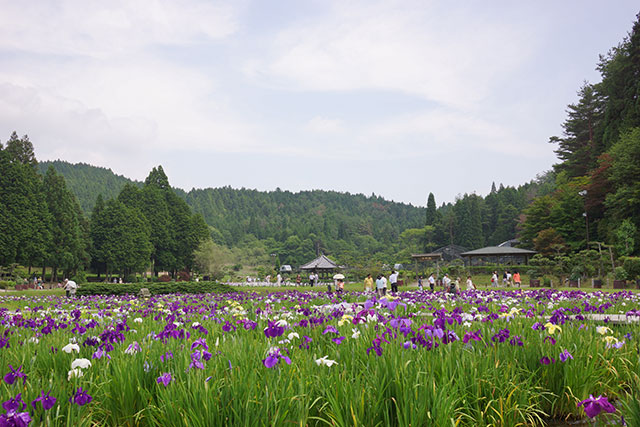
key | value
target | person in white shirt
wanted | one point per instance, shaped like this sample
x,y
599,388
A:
x,y
393,278
432,281
470,285
381,285
494,279
445,282
70,287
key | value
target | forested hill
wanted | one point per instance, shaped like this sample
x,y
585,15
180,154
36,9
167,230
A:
x,y
86,181
353,227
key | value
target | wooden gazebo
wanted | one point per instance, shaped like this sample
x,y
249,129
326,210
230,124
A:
x,y
419,259
321,265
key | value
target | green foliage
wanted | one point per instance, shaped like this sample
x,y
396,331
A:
x,y
86,181
620,273
632,267
80,277
625,237
154,288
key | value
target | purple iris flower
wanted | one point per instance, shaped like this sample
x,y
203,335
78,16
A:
x,y
81,397
501,336
273,330
565,355
516,340
100,353
551,340
476,336
305,342
14,418
273,358
14,404
330,329
537,326
270,361
168,355
228,326
47,401
593,406
338,340
408,344
450,337
377,345
196,362
546,361
199,342
164,379
11,377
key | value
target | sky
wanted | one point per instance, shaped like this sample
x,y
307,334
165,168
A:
x,y
396,98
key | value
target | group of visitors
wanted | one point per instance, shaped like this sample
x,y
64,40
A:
x,y
447,284
507,279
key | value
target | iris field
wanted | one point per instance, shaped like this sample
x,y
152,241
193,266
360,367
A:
x,y
497,357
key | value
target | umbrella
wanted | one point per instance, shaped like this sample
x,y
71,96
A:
x,y
338,276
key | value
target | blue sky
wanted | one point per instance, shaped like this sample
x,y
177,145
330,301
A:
x,y
396,98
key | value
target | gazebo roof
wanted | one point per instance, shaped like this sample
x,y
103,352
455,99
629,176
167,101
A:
x,y
320,263
498,251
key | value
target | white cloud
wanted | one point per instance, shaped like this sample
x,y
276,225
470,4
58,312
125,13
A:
x,y
102,28
454,57
321,124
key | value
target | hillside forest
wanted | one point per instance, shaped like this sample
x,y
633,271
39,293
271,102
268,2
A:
x,y
77,217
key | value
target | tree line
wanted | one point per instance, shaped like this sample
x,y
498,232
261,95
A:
x,y
596,194
43,225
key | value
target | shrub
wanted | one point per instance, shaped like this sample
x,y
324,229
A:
x,y
620,273
165,278
184,276
154,288
632,267
547,282
80,277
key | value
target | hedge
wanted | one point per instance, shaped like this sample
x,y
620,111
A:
x,y
154,288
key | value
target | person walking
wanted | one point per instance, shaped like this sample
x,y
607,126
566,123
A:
x,y
420,282
381,285
494,279
368,283
393,278
516,278
432,281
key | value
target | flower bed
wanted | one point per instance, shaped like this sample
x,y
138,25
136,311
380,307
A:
x,y
495,357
